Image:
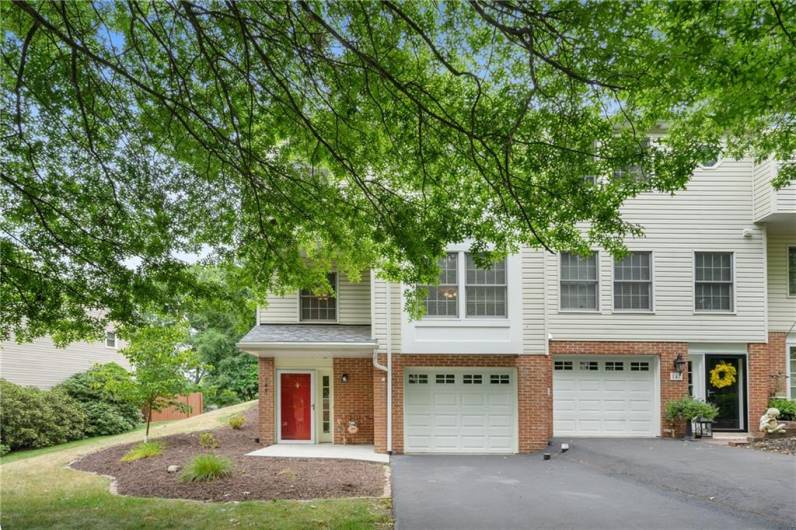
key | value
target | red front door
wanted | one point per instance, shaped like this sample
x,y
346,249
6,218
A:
x,y
295,397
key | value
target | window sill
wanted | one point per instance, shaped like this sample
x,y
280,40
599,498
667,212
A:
x,y
633,312
721,313
463,323
317,321
580,311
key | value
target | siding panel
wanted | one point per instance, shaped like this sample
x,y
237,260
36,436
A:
x,y
781,307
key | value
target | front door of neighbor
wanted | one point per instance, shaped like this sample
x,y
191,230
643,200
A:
x,y
295,406
725,384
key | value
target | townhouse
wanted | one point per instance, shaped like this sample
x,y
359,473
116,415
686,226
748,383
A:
x,y
543,345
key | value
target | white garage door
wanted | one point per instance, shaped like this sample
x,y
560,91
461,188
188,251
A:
x,y
604,397
460,410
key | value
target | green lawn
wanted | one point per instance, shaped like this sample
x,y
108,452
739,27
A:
x,y
37,490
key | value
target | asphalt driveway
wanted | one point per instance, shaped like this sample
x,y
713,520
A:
x,y
599,483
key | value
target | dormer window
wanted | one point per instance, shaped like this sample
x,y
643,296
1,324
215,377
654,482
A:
x,y
319,307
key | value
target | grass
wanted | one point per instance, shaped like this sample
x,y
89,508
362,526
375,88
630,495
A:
x,y
206,467
143,450
39,491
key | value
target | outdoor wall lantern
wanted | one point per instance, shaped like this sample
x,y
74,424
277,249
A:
x,y
344,378
701,428
679,363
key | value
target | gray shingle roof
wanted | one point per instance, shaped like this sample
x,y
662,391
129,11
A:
x,y
308,333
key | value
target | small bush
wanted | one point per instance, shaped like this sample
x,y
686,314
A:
x,y
237,421
106,412
143,450
4,449
206,467
31,418
786,407
689,408
207,440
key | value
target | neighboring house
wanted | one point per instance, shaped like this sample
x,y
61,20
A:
x,y
546,345
42,364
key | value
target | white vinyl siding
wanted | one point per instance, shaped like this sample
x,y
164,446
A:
x,y
534,333
353,304
633,282
781,305
579,282
380,288
709,216
485,289
42,364
713,286
771,204
442,300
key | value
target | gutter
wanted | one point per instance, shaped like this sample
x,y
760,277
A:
x,y
388,368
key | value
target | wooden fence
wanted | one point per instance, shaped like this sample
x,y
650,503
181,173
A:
x,y
194,400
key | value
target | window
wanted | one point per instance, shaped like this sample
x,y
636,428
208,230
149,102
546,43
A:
x,y
325,403
579,282
443,300
562,365
792,378
589,366
691,378
485,289
418,379
499,379
792,271
472,379
633,282
639,366
320,307
110,339
614,366
713,287
445,379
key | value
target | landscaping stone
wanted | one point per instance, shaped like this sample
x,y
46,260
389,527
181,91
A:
x,y
173,468
784,444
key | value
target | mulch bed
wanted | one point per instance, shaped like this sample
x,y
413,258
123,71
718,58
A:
x,y
785,445
253,477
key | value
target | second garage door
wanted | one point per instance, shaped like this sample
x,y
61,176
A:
x,y
605,397
460,410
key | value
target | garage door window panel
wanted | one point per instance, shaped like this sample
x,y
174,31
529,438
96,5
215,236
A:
x,y
445,379
579,282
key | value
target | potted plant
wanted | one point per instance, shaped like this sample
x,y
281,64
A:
x,y
680,413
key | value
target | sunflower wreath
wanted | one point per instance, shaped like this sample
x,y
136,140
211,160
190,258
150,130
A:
x,y
722,375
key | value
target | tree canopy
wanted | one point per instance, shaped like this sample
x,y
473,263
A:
x,y
281,137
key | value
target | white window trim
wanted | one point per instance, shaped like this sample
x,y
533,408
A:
x,y
734,284
336,305
789,343
461,285
598,272
650,311
787,271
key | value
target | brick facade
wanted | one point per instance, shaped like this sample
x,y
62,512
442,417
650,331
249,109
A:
x,y
267,402
767,375
353,400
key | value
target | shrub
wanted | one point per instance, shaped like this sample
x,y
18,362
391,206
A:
x,y
32,418
237,421
206,467
786,407
143,450
106,412
4,449
207,440
688,408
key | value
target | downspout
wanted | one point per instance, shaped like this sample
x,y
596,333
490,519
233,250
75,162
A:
x,y
388,368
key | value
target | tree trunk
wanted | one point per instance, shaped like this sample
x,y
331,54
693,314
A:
x,y
148,421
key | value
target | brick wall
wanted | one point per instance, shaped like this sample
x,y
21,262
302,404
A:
x,y
766,372
267,402
665,351
534,378
353,401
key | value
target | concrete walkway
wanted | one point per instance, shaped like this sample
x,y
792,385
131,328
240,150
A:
x,y
611,484
345,452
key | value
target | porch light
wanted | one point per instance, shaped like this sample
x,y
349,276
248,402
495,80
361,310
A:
x,y
344,378
679,363
701,428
